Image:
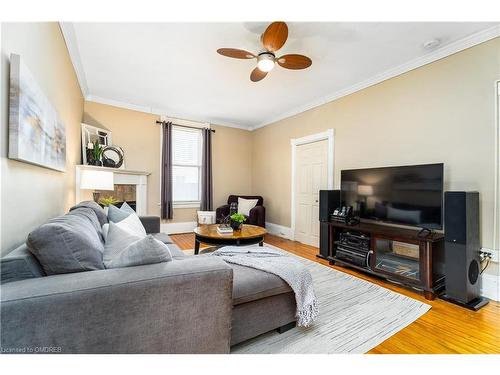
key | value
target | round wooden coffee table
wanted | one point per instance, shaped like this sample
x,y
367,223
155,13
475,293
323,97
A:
x,y
247,235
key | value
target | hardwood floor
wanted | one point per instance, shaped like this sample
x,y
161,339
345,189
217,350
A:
x,y
446,328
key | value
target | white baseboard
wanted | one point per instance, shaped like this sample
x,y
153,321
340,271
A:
x,y
490,287
184,227
279,230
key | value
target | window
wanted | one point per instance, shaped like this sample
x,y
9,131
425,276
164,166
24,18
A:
x,y
186,165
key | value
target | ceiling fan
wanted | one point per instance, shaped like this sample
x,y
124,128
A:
x,y
273,39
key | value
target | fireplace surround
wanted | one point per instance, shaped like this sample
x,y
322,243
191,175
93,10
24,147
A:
x,y
127,183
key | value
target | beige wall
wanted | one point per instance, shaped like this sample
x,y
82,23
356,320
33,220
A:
x,y
30,195
442,112
139,136
231,163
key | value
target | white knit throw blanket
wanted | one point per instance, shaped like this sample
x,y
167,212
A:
x,y
283,265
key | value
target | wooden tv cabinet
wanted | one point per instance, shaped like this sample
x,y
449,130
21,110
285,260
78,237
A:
x,y
397,254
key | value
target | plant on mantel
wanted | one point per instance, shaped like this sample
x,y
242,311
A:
x,y
96,154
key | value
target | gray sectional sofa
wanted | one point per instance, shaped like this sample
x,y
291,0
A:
x,y
192,304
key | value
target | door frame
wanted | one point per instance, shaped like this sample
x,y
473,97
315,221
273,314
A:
x,y
328,135
496,217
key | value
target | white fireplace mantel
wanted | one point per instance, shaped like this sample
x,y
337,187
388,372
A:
x,y
121,177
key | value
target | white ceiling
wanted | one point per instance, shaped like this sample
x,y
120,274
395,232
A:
x,y
173,68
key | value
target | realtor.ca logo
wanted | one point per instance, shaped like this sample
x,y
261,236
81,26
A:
x,y
31,350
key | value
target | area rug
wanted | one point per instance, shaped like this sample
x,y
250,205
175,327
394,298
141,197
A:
x,y
354,317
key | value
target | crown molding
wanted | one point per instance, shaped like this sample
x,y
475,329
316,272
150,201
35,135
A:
x,y
165,113
440,53
69,36
68,32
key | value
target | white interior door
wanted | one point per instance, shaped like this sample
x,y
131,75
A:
x,y
311,176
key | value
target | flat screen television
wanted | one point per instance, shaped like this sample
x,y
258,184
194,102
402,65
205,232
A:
x,y
406,195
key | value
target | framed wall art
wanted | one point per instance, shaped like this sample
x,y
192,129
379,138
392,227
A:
x,y
36,133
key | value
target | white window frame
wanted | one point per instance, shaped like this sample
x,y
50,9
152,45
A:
x,y
196,203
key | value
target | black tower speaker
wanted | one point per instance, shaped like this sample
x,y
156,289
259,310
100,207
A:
x,y
329,200
462,263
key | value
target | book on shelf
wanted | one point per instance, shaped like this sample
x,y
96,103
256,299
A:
x,y
224,230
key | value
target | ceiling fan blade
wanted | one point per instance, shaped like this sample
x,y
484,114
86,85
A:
x,y
257,75
236,53
294,61
275,36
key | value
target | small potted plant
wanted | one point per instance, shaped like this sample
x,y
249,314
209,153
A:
x,y
237,220
96,153
107,201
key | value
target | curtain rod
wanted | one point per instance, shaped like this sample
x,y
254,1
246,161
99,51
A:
x,y
184,126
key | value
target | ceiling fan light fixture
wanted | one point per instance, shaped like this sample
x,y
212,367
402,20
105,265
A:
x,y
265,62
272,40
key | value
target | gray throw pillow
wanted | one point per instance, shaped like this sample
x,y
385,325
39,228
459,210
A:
x,y
126,207
116,215
123,249
68,243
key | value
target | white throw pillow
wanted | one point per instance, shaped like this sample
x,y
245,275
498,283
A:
x,y
245,205
131,224
123,249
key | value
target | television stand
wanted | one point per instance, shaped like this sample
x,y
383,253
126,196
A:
x,y
396,254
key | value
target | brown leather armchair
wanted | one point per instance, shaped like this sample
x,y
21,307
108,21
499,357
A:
x,y
257,214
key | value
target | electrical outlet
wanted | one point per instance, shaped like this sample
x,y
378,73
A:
x,y
483,255
490,254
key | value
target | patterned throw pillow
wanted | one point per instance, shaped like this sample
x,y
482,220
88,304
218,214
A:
x,y
123,249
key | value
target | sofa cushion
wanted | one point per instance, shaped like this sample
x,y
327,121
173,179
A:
x,y
19,264
69,243
250,284
99,211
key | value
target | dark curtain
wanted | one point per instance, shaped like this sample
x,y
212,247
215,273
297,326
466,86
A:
x,y
166,171
206,172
